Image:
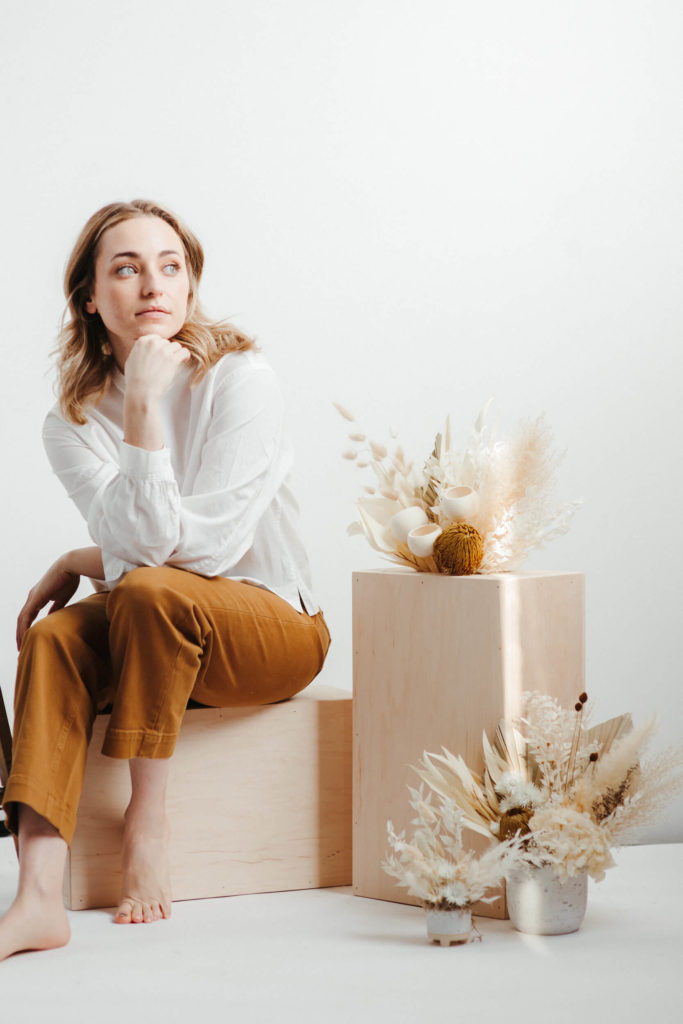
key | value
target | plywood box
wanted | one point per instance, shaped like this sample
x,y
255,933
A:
x,y
259,801
437,660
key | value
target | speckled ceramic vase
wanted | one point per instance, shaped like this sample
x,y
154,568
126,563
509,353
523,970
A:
x,y
447,926
540,904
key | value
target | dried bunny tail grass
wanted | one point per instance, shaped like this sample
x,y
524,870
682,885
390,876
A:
x,y
343,411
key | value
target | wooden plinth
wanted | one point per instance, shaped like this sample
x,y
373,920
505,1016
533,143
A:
x,y
259,801
438,660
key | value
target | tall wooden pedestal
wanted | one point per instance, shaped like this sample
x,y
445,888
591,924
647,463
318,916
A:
x,y
438,660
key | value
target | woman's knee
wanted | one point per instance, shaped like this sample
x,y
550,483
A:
x,y
56,630
78,625
144,593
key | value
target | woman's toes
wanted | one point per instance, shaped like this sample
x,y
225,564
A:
x,y
137,914
123,914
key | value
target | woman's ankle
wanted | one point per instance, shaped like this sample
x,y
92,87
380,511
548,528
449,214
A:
x,y
42,855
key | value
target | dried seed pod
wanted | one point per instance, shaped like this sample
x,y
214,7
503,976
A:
x,y
458,551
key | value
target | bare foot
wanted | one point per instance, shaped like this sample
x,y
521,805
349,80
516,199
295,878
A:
x,y
33,922
146,884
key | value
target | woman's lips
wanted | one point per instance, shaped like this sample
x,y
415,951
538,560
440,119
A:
x,y
153,312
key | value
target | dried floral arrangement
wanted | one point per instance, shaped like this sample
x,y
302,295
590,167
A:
x,y
480,509
568,792
434,866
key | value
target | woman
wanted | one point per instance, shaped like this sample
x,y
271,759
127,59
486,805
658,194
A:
x,y
168,436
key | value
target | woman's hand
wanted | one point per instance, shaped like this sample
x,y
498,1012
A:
x,y
151,366
57,585
150,369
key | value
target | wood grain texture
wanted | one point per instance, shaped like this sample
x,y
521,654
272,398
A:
x,y
436,661
259,801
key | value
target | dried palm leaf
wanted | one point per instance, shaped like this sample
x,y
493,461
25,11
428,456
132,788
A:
x,y
457,782
607,733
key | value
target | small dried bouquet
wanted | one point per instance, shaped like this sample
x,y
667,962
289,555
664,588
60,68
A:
x,y
434,866
478,509
569,793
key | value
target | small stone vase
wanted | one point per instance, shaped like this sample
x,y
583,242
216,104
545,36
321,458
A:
x,y
540,904
447,926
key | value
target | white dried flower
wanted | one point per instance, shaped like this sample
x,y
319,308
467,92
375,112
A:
x,y
570,840
514,791
434,866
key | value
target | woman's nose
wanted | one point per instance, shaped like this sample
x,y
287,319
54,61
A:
x,y
151,283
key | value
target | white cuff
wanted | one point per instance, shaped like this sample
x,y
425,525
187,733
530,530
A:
x,y
139,462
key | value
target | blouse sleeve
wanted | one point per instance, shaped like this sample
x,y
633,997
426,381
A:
x,y
133,507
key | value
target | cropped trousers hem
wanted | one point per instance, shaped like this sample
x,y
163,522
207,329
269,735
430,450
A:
x,y
161,638
127,743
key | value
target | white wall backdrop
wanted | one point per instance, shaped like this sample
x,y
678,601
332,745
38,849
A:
x,y
414,204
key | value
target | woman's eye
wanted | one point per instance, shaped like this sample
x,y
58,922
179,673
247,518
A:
x,y
125,271
171,268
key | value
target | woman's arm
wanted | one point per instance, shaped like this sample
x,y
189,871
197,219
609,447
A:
x,y
59,584
83,562
150,369
133,505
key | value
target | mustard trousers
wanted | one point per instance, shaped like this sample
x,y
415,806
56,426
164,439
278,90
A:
x,y
160,638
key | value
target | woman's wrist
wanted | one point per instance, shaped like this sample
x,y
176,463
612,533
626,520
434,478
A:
x,y
141,421
82,562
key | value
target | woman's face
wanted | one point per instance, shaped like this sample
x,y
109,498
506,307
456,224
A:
x,y
141,283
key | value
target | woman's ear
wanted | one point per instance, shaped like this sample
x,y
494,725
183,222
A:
x,y
90,306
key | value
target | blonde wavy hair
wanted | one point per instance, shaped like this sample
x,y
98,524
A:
x,y
85,363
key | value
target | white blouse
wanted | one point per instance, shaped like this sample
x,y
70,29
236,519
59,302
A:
x,y
215,500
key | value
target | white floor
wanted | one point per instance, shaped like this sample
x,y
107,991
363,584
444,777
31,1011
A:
x,y
326,955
